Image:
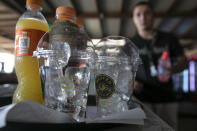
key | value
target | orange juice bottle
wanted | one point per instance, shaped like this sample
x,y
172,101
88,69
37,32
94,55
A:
x,y
29,29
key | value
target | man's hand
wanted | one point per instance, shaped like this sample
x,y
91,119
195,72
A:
x,y
182,64
138,86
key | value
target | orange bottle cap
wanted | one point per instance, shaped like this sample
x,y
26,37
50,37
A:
x,y
65,17
165,55
65,10
79,22
36,2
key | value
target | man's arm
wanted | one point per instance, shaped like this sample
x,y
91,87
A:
x,y
177,51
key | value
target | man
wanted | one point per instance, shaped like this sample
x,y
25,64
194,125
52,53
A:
x,y
151,44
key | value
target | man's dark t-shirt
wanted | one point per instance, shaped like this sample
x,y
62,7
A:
x,y
154,90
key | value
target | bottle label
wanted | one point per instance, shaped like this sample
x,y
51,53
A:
x,y
105,86
26,41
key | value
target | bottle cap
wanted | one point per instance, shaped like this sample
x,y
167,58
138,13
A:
x,y
36,2
79,22
165,55
65,11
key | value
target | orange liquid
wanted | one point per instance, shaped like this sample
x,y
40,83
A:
x,y
27,68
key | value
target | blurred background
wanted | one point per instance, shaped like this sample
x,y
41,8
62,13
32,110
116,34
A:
x,y
113,17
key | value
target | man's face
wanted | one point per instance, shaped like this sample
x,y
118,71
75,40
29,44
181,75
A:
x,y
143,17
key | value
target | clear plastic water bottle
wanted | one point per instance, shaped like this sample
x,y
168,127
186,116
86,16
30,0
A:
x,y
164,66
67,65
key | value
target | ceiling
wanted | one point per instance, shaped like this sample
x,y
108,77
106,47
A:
x,y
109,17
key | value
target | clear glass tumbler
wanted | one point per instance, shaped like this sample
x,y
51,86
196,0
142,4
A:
x,y
115,68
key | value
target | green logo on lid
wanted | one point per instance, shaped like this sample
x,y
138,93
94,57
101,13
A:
x,y
105,86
